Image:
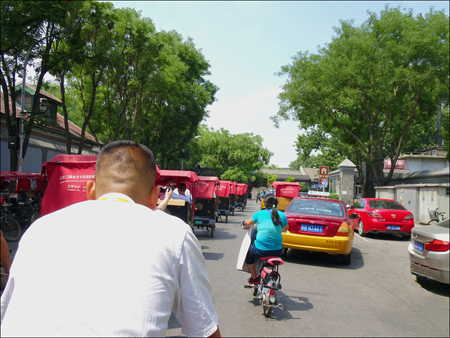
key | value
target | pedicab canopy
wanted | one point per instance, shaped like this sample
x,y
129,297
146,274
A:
x,y
207,186
286,189
24,180
225,188
67,176
241,189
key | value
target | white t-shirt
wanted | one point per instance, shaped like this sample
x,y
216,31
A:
x,y
107,268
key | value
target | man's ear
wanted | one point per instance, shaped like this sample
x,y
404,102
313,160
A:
x,y
152,199
90,190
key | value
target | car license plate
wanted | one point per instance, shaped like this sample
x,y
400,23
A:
x,y
311,228
393,227
418,246
198,222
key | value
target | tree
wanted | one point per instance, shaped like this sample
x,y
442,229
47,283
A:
x,y
372,85
237,157
290,179
29,28
270,179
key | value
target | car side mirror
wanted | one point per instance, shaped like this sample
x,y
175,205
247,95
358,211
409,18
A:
x,y
354,216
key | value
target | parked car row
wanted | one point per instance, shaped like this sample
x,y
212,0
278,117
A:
x,y
325,225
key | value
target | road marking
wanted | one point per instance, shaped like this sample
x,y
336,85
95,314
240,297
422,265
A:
x,y
365,239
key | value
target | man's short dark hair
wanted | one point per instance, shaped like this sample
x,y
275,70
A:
x,y
130,155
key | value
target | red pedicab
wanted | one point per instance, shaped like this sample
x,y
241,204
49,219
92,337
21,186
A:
x,y
233,197
224,196
285,192
178,207
67,176
206,203
241,195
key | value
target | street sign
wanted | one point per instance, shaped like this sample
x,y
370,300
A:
x,y
324,183
317,185
323,172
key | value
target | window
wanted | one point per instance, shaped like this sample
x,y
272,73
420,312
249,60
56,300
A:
x,y
318,207
361,204
380,204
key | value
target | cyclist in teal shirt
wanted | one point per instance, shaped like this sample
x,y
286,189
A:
x,y
270,224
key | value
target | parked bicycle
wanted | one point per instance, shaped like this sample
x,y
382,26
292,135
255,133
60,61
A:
x,y
436,216
10,227
270,283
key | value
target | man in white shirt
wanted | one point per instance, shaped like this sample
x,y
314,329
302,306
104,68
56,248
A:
x,y
112,265
181,194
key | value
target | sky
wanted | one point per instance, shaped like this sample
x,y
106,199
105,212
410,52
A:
x,y
247,42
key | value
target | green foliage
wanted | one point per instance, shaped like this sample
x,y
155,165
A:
x,y
371,91
445,134
334,196
270,179
304,187
290,179
120,79
271,166
237,157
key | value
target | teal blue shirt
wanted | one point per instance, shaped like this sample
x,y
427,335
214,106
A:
x,y
268,237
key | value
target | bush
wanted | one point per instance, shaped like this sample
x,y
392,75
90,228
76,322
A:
x,y
334,196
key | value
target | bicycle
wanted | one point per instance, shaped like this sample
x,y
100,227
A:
x,y
270,283
10,227
435,216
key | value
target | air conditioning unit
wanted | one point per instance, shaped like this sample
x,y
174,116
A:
x,y
43,104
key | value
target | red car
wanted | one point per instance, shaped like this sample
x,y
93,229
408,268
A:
x,y
377,215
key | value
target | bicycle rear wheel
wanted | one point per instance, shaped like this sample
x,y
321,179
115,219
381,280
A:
x,y
11,229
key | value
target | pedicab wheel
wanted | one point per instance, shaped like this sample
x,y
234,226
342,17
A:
x,y
213,230
226,218
11,229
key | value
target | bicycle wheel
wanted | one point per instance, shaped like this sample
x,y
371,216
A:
x,y
11,229
267,310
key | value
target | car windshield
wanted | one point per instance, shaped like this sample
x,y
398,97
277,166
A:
x,y
318,207
380,204
444,224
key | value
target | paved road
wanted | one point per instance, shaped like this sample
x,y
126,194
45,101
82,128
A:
x,y
375,296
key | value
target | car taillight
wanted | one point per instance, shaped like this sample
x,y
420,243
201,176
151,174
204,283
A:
x,y
410,216
437,245
344,230
373,214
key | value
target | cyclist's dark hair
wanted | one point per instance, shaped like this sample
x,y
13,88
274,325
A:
x,y
271,202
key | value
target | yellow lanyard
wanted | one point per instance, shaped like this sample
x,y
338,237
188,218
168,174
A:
x,y
117,199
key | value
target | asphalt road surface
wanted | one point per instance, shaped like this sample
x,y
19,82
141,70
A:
x,y
375,296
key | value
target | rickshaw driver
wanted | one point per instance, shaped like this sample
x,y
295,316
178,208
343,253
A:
x,y
83,246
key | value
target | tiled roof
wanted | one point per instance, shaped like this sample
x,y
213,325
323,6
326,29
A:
x,y
73,128
2,108
284,174
50,96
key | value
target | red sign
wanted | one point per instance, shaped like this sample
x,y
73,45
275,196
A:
x,y
400,164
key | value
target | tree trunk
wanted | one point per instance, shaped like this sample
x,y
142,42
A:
x,y
66,115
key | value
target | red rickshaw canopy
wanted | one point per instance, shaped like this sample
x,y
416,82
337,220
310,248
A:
x,y
241,189
67,176
286,189
206,186
224,188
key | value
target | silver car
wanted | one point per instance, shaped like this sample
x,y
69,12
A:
x,y
429,251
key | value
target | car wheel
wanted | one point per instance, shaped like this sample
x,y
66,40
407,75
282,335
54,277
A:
x,y
347,259
361,231
284,252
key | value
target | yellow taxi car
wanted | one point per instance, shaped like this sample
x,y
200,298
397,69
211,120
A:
x,y
320,225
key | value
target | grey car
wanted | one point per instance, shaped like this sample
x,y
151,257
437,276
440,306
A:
x,y
429,251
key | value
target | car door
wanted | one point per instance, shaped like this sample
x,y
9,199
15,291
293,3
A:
x,y
357,209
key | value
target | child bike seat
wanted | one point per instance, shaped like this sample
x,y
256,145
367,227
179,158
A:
x,y
273,260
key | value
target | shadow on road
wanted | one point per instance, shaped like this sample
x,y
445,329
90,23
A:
x,y
213,256
388,237
324,260
290,303
433,286
221,233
